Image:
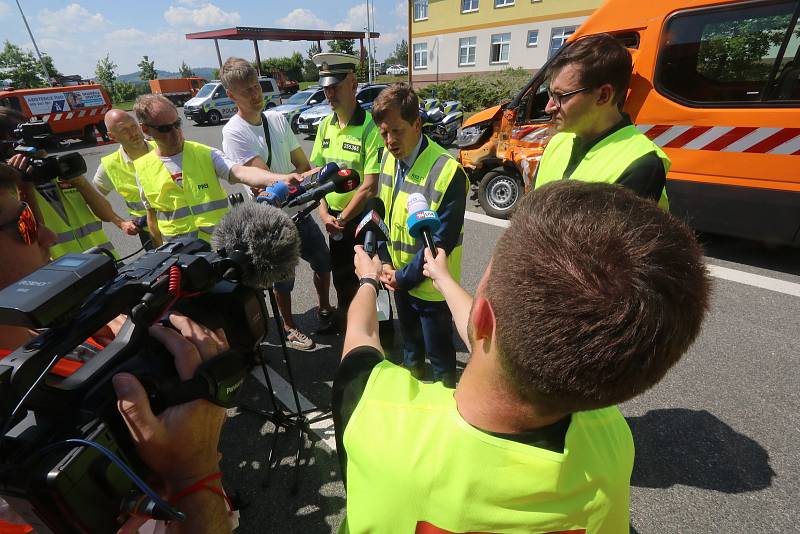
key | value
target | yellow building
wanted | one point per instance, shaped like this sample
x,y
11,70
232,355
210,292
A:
x,y
453,38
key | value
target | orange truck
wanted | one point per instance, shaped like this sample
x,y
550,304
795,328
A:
x,y
75,111
715,83
179,90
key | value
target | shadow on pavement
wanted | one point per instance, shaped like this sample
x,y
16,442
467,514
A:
x,y
783,259
694,448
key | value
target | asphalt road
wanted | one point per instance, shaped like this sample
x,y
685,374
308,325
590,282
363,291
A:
x,y
716,440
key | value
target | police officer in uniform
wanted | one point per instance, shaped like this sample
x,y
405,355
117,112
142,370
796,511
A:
x,y
596,141
350,138
413,163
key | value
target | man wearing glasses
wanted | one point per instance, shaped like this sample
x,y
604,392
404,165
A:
x,y
180,180
596,141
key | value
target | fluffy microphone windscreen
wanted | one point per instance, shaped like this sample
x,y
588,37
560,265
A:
x,y
266,235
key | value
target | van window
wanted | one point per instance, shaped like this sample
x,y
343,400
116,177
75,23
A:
x,y
266,86
11,102
220,92
206,90
740,56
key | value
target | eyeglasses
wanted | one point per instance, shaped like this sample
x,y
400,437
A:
x,y
558,98
25,224
166,128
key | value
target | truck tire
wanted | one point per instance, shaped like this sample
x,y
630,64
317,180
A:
x,y
213,117
499,192
88,135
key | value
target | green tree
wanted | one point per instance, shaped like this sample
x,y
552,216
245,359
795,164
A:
x,y
147,69
291,66
185,70
22,67
310,70
124,92
106,72
400,54
313,50
343,46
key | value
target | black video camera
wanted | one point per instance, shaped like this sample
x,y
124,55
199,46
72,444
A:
x,y
62,486
33,136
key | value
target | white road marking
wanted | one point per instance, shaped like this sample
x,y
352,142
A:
x,y
283,391
723,273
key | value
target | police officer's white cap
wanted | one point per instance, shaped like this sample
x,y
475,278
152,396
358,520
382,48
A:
x,y
334,67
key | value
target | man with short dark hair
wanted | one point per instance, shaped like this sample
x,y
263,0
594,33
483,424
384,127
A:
x,y
591,296
413,163
597,142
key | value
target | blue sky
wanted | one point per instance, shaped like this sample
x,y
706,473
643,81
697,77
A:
x,y
78,33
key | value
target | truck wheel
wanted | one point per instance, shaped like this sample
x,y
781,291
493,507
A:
x,y
270,105
214,118
295,129
499,192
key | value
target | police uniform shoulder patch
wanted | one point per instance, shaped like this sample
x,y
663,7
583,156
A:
x,y
326,143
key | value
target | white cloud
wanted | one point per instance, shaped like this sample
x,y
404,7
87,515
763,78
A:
x,y
5,10
72,19
355,20
208,15
191,2
302,18
401,10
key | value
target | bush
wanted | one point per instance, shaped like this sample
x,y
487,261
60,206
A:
x,y
124,91
481,91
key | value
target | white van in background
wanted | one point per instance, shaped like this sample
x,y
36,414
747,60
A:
x,y
212,105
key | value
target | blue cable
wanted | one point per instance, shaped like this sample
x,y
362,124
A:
x,y
141,484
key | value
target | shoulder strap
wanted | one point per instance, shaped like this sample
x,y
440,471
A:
x,y
265,124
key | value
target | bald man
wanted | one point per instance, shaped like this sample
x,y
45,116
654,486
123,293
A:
x,y
116,171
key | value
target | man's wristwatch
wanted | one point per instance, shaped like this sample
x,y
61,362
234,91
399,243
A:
x,y
368,280
340,221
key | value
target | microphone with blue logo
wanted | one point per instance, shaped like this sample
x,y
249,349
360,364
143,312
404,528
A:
x,y
422,221
274,195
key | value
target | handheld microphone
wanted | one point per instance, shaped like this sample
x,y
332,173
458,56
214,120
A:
x,y
372,226
323,175
422,220
344,181
266,236
274,195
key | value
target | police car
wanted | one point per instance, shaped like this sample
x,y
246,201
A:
x,y
212,105
308,121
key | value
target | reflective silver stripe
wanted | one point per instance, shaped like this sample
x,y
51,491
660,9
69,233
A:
x,y
135,206
368,130
87,229
63,237
430,194
210,206
206,229
385,179
172,215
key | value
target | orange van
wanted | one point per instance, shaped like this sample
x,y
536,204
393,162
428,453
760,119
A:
x,y
71,112
716,84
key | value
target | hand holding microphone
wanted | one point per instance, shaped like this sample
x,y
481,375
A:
x,y
422,221
372,228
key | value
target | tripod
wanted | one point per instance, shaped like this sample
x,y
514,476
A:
x,y
291,419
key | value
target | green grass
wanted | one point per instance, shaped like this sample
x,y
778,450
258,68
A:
x,y
127,105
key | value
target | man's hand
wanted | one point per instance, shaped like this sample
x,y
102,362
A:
x,y
331,224
388,277
292,178
129,227
436,268
181,443
366,266
19,162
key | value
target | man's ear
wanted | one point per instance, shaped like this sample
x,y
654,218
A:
x,y
606,94
482,319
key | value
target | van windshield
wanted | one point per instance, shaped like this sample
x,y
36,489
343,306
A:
x,y
206,90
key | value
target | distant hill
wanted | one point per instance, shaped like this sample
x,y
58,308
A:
x,y
203,72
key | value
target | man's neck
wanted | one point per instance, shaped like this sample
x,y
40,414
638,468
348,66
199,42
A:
x,y
598,127
485,400
344,116
252,117
167,152
136,150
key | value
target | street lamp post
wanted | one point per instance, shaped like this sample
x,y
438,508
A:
x,y
41,61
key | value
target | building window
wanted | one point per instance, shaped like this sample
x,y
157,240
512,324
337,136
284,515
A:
x,y
466,51
503,3
558,37
468,6
533,38
738,57
501,44
420,9
421,55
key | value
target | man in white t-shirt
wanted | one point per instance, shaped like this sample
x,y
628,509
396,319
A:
x,y
244,140
180,180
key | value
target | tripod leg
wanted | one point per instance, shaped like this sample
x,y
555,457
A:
x,y
282,335
300,447
271,458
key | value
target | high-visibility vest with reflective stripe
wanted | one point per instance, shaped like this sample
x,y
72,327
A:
x,y
347,146
122,174
412,458
605,162
190,210
430,175
81,231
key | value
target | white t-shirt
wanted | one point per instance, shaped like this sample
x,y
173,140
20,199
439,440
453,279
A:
x,y
174,164
241,142
101,180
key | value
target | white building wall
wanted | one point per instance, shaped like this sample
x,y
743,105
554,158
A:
x,y
446,50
